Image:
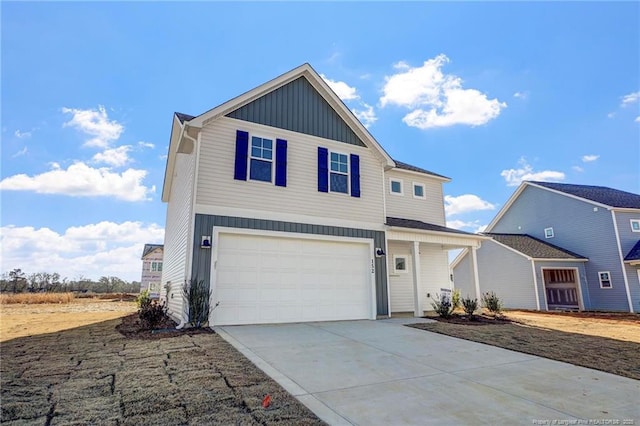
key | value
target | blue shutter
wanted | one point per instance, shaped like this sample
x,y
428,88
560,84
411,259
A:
x,y
242,150
281,162
355,175
323,169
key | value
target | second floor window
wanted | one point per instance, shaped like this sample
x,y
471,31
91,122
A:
x,y
156,266
261,163
339,175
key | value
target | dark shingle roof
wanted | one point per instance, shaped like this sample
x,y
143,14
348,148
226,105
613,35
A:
x,y
533,247
405,166
634,254
599,194
184,117
148,248
416,224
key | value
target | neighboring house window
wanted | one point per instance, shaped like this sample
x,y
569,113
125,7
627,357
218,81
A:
x,y
339,173
395,186
605,279
399,264
548,232
418,190
635,225
261,163
156,266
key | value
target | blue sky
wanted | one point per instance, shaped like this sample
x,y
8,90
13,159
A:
x,y
485,93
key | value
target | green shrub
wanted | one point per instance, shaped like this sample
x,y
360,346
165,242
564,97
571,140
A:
x,y
492,302
143,299
198,295
442,305
152,313
455,299
469,305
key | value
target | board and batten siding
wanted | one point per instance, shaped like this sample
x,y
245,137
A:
x,y
217,187
628,239
434,274
400,283
298,107
578,226
204,224
177,233
406,206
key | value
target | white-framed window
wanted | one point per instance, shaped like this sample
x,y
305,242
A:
x,y
156,266
338,172
605,279
548,232
261,159
395,186
418,190
635,225
400,264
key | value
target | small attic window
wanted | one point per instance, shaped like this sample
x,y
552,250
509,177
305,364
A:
x,y
548,232
635,225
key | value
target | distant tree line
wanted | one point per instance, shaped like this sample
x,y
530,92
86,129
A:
x,y
17,281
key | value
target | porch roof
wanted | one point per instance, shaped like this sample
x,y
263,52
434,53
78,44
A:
x,y
416,224
418,231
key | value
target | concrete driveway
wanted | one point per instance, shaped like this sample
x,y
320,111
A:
x,y
383,373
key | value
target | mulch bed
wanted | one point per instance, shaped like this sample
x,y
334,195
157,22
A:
x,y
132,328
481,319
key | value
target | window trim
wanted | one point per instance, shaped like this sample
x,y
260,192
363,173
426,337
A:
x,y
406,264
155,266
391,191
251,157
601,280
546,235
635,221
424,193
348,174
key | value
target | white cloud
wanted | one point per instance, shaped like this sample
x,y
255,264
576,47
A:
x,y
342,89
105,248
578,169
637,120
94,123
116,157
81,180
367,115
22,135
521,95
611,115
23,151
589,158
143,144
514,177
474,226
629,99
465,203
437,99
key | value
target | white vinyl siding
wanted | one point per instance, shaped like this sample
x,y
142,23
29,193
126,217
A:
x,y
434,273
400,284
177,233
429,209
216,186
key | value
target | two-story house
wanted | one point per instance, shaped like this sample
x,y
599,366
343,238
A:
x,y
152,256
289,209
559,246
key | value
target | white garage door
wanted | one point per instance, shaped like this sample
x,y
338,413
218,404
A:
x,y
267,279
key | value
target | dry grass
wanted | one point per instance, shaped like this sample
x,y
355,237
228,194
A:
x,y
579,339
35,298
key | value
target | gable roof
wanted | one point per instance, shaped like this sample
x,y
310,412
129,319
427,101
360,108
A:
x,y
534,248
417,224
600,194
148,248
634,253
409,167
184,117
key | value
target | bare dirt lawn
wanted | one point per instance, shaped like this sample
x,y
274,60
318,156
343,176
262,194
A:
x,y
606,342
69,365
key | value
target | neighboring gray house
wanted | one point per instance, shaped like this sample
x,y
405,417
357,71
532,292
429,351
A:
x,y
558,245
152,256
289,209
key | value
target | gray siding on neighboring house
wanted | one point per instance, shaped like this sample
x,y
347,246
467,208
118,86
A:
x,y
297,106
578,228
562,265
628,239
201,267
463,277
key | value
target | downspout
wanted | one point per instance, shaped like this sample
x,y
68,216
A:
x,y
535,283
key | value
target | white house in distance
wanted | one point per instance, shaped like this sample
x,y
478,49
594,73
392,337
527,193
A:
x,y
289,209
152,255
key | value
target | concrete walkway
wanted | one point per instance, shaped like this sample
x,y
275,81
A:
x,y
383,373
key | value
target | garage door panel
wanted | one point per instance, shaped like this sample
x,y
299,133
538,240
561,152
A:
x,y
267,279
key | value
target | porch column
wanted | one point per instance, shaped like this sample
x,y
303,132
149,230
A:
x,y
476,276
417,300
